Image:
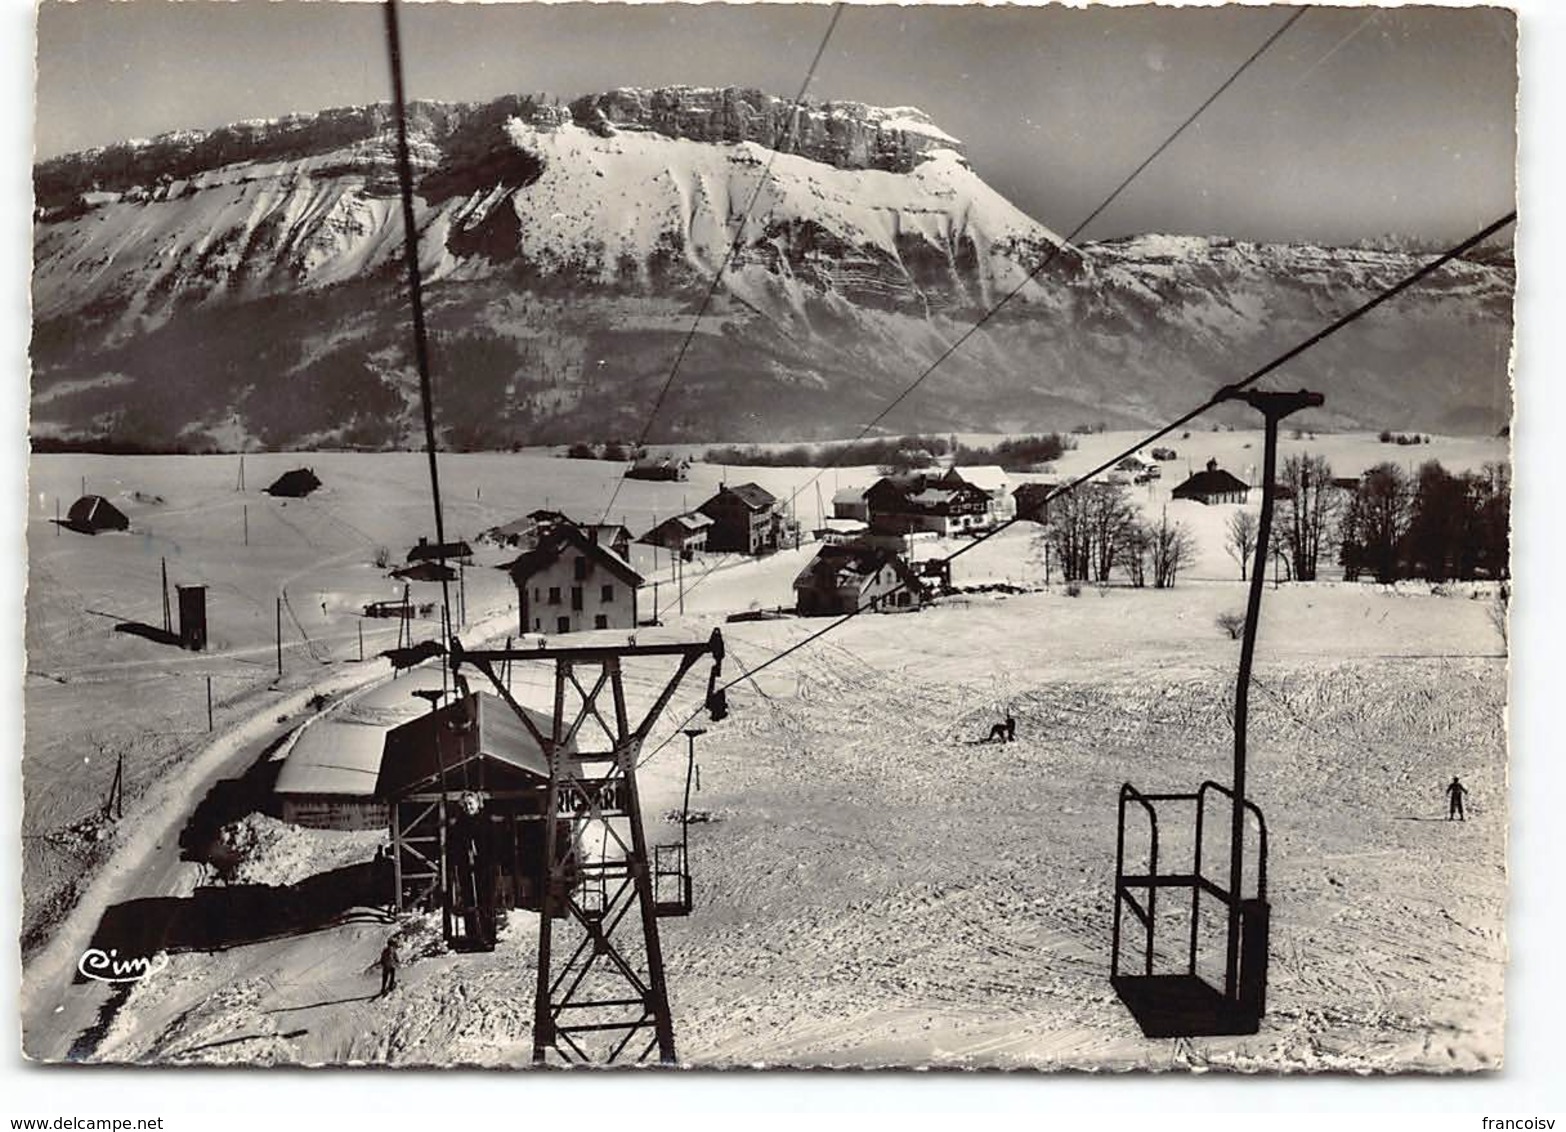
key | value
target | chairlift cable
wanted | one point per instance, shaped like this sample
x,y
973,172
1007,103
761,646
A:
x,y
415,289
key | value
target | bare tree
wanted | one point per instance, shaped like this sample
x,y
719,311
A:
x,y
1240,540
1110,519
1070,535
1135,553
1088,529
1172,548
1306,515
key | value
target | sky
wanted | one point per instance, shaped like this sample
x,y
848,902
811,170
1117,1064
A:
x,y
1358,122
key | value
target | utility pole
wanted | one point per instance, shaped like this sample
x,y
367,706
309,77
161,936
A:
x,y
280,636
240,485
209,703
1274,407
246,510
679,566
462,592
685,811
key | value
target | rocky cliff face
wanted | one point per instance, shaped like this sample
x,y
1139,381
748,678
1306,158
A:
x,y
243,286
845,135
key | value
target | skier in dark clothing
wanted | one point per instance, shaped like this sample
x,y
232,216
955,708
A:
x,y
389,963
1011,728
1454,794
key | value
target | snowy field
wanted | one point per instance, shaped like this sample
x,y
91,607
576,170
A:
x,y
875,888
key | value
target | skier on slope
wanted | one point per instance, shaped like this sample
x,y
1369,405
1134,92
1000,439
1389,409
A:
x,y
1454,794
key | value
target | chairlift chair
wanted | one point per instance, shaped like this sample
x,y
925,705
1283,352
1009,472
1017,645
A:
x,y
672,894
1177,1000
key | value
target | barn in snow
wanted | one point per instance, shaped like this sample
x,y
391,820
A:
x,y
93,513
295,484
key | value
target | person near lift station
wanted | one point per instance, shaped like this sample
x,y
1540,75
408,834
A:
x,y
388,962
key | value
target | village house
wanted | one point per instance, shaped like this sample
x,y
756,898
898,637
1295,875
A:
x,y
745,520
847,578
1212,485
918,501
682,534
837,531
611,536
425,572
996,485
570,582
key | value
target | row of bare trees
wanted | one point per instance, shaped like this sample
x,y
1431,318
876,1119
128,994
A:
x,y
1096,529
1432,525
1388,524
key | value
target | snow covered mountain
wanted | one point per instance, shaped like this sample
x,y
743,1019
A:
x,y
244,286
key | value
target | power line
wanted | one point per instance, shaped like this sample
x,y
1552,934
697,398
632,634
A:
x,y
1222,394
734,246
1066,242
415,289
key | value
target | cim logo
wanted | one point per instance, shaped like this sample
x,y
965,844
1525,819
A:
x,y
109,967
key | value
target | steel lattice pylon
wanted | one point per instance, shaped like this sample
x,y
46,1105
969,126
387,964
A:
x,y
601,996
